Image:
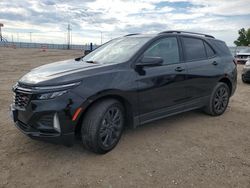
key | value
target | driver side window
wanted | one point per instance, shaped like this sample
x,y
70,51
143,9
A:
x,y
166,48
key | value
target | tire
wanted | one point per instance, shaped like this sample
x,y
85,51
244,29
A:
x,y
243,79
102,126
218,101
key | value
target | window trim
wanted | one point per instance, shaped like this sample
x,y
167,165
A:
x,y
215,54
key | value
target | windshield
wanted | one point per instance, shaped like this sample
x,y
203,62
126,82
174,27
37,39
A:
x,y
116,51
246,50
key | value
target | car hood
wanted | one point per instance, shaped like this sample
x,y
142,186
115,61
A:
x,y
58,70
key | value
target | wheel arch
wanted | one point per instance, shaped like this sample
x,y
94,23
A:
x,y
129,114
228,82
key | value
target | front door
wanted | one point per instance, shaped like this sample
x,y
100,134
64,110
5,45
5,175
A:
x,y
162,86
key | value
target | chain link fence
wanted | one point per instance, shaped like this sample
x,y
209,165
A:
x,y
46,45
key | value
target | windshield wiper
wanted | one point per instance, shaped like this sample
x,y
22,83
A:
x,y
79,58
94,62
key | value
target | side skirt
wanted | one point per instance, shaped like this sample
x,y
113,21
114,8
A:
x,y
169,111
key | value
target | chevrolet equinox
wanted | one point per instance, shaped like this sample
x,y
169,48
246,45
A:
x,y
126,82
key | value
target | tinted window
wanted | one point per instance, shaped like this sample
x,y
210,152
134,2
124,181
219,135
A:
x,y
166,48
210,51
221,47
194,49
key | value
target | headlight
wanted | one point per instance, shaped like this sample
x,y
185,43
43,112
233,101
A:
x,y
50,92
51,95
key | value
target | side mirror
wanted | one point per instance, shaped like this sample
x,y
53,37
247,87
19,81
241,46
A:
x,y
150,62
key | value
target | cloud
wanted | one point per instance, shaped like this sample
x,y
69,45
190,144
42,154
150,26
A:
x,y
48,19
222,7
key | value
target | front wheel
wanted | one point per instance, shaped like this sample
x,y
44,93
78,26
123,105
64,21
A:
x,y
102,126
218,101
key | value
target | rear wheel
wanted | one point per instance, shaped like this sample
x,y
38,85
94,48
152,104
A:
x,y
102,126
218,100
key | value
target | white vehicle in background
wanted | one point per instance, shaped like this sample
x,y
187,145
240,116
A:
x,y
243,55
246,72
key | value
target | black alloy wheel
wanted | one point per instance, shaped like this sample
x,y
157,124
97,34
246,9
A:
x,y
218,101
111,127
103,125
221,100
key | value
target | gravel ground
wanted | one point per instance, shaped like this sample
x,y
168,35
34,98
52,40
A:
x,y
186,150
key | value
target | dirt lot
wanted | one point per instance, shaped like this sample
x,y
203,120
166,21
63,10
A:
x,y
187,150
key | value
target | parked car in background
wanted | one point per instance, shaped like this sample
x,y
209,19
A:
x,y
128,81
243,55
246,72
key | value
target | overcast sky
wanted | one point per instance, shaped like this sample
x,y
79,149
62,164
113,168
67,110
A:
x,y
48,19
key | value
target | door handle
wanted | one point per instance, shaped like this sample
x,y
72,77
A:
x,y
179,69
215,63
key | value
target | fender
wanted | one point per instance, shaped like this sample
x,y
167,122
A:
x,y
129,103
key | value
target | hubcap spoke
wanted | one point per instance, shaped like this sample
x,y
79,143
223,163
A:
x,y
105,142
103,133
111,126
221,99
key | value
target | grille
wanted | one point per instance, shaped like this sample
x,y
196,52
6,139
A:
x,y
243,56
21,100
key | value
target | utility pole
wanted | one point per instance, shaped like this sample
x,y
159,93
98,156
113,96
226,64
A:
x,y
69,29
1,36
65,38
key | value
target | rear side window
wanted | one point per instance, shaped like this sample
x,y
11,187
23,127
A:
x,y
194,49
221,47
210,51
166,48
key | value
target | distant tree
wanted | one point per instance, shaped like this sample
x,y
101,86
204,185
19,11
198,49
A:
x,y
244,37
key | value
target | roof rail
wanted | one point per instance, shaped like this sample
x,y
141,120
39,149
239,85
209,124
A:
x,y
187,32
131,34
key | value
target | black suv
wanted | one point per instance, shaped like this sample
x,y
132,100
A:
x,y
126,82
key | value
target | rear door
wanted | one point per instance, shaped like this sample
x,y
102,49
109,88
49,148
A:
x,y
202,67
162,86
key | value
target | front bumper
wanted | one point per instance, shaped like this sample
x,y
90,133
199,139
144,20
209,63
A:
x,y
37,119
65,139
